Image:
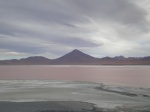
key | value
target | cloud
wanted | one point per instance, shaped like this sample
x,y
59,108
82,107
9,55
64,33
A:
x,y
53,27
74,41
122,11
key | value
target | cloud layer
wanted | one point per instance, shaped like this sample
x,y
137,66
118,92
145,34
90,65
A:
x,y
53,27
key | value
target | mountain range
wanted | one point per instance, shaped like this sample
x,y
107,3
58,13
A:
x,y
77,57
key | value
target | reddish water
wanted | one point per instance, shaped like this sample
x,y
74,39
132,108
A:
x,y
134,76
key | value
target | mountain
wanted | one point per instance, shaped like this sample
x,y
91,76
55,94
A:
x,y
36,60
119,57
121,60
77,57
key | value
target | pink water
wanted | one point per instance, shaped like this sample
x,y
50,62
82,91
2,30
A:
x,y
133,76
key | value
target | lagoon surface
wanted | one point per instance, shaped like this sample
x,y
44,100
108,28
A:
x,y
131,76
110,88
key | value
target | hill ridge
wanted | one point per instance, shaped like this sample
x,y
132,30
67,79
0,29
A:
x,y
76,57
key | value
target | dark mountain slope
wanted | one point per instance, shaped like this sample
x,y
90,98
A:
x,y
75,57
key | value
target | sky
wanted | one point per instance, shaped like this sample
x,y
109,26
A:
x,y
52,28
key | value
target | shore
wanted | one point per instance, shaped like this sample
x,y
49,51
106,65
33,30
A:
x,y
70,96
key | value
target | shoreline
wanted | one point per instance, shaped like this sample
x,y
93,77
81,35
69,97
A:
x,y
71,96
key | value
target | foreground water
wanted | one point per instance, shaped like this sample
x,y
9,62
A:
x,y
108,87
131,76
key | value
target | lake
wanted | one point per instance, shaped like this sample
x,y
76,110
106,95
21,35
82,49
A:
x,y
132,76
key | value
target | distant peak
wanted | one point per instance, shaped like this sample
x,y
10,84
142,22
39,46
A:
x,y
119,57
75,50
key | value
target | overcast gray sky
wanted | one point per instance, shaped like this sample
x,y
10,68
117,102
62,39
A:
x,y
52,28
